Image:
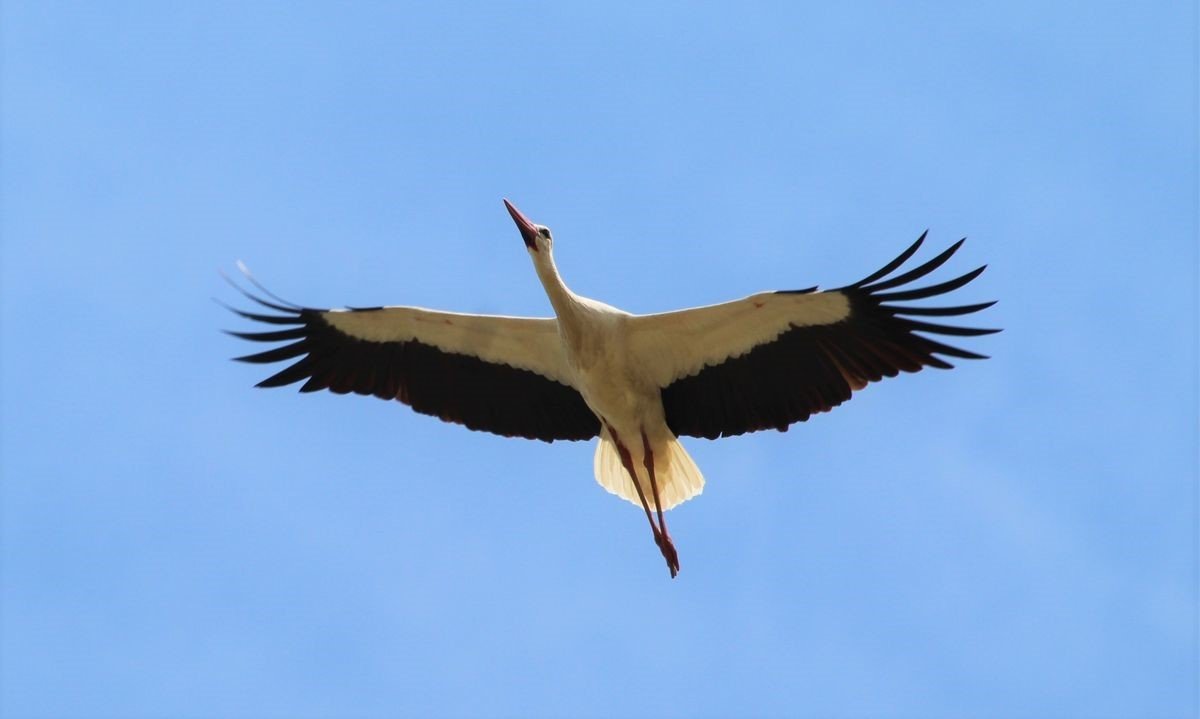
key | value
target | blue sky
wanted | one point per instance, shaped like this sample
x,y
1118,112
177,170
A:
x,y
1015,538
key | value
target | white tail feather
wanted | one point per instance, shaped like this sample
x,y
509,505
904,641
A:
x,y
677,476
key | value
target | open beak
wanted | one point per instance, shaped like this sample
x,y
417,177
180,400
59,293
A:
x,y
528,231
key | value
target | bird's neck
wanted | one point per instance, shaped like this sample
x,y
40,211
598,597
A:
x,y
561,297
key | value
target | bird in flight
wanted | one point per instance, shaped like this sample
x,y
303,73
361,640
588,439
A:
x,y
638,382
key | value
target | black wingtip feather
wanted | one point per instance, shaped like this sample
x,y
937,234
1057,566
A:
x,y
937,311
930,291
917,326
891,266
255,298
279,336
945,349
250,278
919,272
276,355
269,319
289,375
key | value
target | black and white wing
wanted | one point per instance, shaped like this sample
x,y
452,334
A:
x,y
771,359
504,375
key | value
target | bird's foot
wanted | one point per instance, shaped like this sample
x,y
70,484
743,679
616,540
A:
x,y
667,547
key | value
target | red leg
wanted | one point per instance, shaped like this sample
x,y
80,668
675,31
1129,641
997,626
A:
x,y
664,543
627,462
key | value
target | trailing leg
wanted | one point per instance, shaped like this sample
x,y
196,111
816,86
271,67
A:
x,y
664,537
664,543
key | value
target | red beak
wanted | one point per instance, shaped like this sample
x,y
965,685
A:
x,y
528,231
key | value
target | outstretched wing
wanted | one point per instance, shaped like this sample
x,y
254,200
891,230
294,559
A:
x,y
771,359
504,375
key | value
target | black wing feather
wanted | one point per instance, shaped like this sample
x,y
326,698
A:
x,y
453,387
813,369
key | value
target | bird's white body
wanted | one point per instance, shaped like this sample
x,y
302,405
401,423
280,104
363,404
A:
x,y
615,384
633,381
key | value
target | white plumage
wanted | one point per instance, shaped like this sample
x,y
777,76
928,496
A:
x,y
634,381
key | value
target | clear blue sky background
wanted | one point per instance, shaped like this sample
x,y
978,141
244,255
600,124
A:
x,y
1015,538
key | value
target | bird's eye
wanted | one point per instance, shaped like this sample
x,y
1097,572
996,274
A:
x,y
544,232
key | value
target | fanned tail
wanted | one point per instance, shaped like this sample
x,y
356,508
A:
x,y
677,476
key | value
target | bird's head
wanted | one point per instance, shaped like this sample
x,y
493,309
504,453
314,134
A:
x,y
537,237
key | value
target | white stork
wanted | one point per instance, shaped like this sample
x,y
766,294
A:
x,y
636,381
